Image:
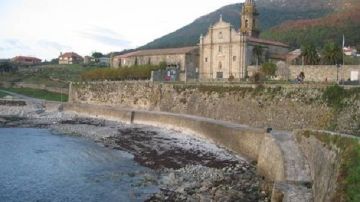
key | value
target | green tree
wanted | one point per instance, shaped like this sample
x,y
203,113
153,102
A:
x,y
162,65
54,61
310,54
5,67
258,52
332,54
97,55
268,69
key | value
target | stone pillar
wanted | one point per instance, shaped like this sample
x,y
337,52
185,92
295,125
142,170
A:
x,y
242,58
201,59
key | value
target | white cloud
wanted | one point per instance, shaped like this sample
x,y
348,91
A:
x,y
52,45
105,36
42,27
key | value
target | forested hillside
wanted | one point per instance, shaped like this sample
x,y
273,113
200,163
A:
x,y
320,30
269,17
291,21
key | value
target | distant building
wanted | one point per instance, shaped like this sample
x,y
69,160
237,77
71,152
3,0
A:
x,y
349,51
4,60
185,60
226,53
104,61
294,57
70,58
87,60
26,61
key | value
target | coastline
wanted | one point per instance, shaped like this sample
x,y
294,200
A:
x,y
190,169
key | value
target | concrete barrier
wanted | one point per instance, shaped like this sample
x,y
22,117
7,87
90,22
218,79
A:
x,y
254,144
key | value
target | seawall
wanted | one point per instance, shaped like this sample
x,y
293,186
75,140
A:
x,y
255,144
284,107
307,165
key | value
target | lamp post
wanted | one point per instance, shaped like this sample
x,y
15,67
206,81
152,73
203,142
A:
x,y
337,73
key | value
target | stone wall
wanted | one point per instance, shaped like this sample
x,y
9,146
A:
x,y
285,108
326,156
316,73
322,73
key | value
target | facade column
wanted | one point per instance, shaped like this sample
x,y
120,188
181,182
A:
x,y
211,54
230,54
201,62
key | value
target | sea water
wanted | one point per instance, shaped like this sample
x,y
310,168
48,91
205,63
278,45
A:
x,y
37,165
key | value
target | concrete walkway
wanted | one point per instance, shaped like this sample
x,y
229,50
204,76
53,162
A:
x,y
298,180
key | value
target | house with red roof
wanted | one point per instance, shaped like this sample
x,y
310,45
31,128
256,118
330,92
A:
x,y
350,51
70,58
25,60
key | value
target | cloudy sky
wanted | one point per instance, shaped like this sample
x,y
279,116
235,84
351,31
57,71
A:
x,y
44,28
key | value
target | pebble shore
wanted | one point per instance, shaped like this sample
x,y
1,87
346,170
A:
x,y
189,168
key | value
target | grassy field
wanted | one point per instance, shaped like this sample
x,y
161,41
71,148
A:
x,y
40,94
49,75
2,94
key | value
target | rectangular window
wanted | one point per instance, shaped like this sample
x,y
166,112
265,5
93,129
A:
x,y
219,75
206,59
220,35
234,58
220,49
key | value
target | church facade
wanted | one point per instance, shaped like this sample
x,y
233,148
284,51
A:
x,y
226,53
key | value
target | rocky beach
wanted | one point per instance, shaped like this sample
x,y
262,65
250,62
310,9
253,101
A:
x,y
187,167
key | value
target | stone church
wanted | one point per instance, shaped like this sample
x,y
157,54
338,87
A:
x,y
226,53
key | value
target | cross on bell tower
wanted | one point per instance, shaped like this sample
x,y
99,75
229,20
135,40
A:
x,y
249,20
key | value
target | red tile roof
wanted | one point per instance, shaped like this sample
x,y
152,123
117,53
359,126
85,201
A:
x,y
267,42
70,55
23,58
166,51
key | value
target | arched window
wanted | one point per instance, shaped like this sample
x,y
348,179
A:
x,y
246,23
220,65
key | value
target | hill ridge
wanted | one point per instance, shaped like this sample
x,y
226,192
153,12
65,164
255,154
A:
x,y
275,16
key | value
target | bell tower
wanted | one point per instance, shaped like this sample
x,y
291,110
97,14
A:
x,y
249,21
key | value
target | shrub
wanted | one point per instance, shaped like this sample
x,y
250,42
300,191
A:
x,y
162,65
268,69
257,77
231,78
334,96
141,72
